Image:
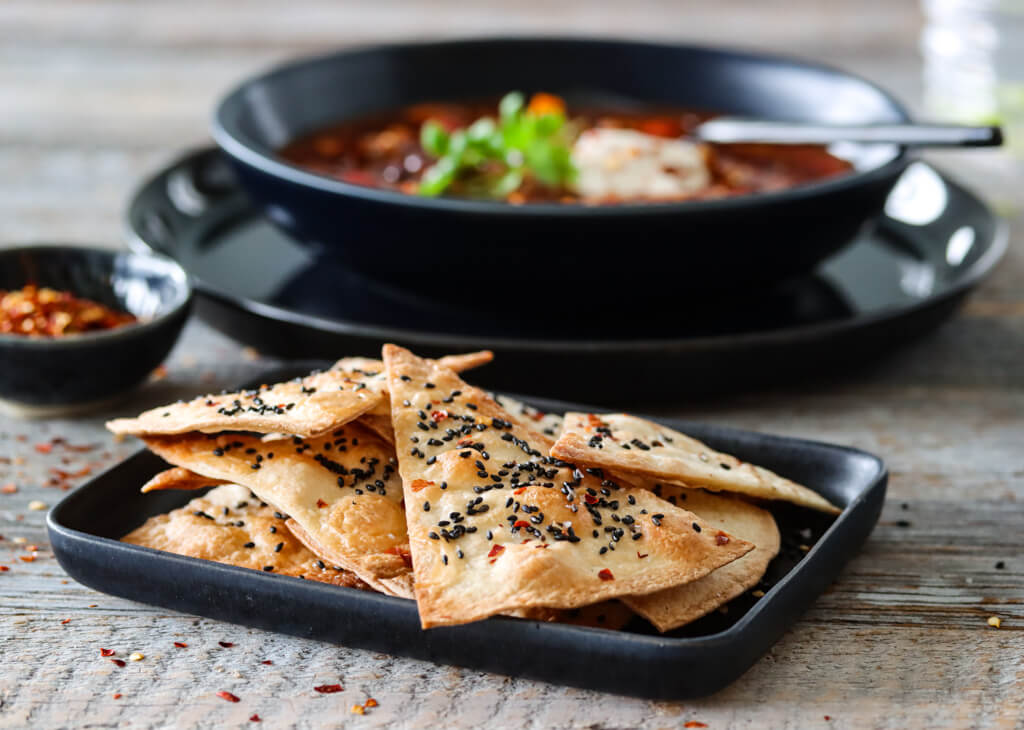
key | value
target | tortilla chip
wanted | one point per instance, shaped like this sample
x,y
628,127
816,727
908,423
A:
x,y
380,425
307,407
549,424
629,445
341,490
178,478
228,525
497,525
675,607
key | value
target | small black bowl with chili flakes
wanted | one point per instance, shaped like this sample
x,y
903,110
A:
x,y
79,325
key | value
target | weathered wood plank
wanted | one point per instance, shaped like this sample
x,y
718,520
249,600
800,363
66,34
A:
x,y
95,95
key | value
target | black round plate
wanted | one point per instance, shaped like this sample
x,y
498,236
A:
x,y
575,338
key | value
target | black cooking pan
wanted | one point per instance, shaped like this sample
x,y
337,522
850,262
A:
x,y
496,254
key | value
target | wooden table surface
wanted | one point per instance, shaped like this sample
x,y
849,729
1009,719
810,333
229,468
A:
x,y
93,95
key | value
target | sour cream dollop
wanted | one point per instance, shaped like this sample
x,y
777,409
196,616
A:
x,y
626,164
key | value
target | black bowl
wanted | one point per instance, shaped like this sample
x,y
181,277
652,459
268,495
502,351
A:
x,y
94,366
697,246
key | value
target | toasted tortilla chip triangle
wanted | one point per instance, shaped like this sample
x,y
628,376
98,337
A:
x,y
228,525
629,445
178,478
549,424
496,525
675,607
307,407
341,490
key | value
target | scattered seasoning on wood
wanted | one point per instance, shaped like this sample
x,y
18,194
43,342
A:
x,y
358,710
117,695
180,644
694,723
27,558
107,652
226,644
902,523
827,718
227,696
118,662
254,718
66,621
267,662
9,488
4,568
137,656
995,622
37,506
370,703
1000,565
327,689
44,448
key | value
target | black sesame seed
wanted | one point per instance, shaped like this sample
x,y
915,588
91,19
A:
x,y
277,548
249,545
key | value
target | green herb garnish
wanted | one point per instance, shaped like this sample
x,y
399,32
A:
x,y
493,158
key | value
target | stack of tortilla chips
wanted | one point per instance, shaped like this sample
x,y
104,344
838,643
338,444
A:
x,y
397,476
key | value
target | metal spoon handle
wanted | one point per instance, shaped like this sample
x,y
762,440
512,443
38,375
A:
x,y
732,130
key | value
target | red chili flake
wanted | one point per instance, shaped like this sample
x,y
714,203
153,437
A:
x,y
438,416
254,718
4,568
590,499
226,644
464,442
66,621
641,555
521,523
418,484
31,548
321,504
328,689
9,488
44,448
26,558
117,695
605,574
495,551
227,696
827,718
118,662
519,491
107,652
694,723
180,644
267,662
721,538
80,449
370,703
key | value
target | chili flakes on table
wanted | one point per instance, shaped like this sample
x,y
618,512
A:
x,y
43,312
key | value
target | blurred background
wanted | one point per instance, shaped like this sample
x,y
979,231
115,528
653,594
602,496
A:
x,y
96,94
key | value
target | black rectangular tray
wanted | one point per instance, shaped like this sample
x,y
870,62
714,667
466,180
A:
x,y
693,661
